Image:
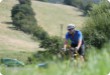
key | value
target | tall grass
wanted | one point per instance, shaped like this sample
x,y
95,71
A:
x,y
98,63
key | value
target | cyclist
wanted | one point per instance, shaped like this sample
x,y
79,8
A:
x,y
76,38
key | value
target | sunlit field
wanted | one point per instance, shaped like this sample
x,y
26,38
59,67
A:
x,y
97,63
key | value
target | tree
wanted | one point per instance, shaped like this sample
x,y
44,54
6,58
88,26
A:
x,y
23,16
23,19
25,2
97,30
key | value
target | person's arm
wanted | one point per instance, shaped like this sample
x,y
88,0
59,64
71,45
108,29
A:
x,y
79,44
79,41
65,44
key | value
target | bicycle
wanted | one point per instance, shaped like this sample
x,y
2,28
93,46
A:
x,y
70,52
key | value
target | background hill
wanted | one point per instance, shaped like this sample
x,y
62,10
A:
x,y
16,44
51,16
11,39
13,43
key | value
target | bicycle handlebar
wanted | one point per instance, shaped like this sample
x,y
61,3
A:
x,y
73,49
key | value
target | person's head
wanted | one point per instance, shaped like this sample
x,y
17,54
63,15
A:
x,y
71,28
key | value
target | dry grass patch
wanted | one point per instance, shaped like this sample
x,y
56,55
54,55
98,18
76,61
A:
x,y
11,39
51,16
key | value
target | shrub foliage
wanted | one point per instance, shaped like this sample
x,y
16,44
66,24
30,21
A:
x,y
97,30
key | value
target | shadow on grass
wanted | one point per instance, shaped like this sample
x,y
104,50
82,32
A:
x,y
11,25
81,10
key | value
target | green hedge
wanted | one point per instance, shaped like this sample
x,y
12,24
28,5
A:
x,y
25,2
52,43
23,17
97,29
40,33
81,4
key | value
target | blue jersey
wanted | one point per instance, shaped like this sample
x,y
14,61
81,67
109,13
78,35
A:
x,y
75,37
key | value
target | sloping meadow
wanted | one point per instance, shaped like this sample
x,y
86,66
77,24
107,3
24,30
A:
x,y
98,63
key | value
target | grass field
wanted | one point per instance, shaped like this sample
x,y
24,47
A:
x,y
51,16
11,39
18,45
13,43
97,64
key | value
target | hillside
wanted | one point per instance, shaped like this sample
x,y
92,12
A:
x,y
11,39
49,16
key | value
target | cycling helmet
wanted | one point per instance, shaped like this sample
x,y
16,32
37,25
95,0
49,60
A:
x,y
70,26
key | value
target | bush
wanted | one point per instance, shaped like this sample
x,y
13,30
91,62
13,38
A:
x,y
52,43
23,17
68,2
25,2
87,8
81,4
76,3
97,30
40,33
52,46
